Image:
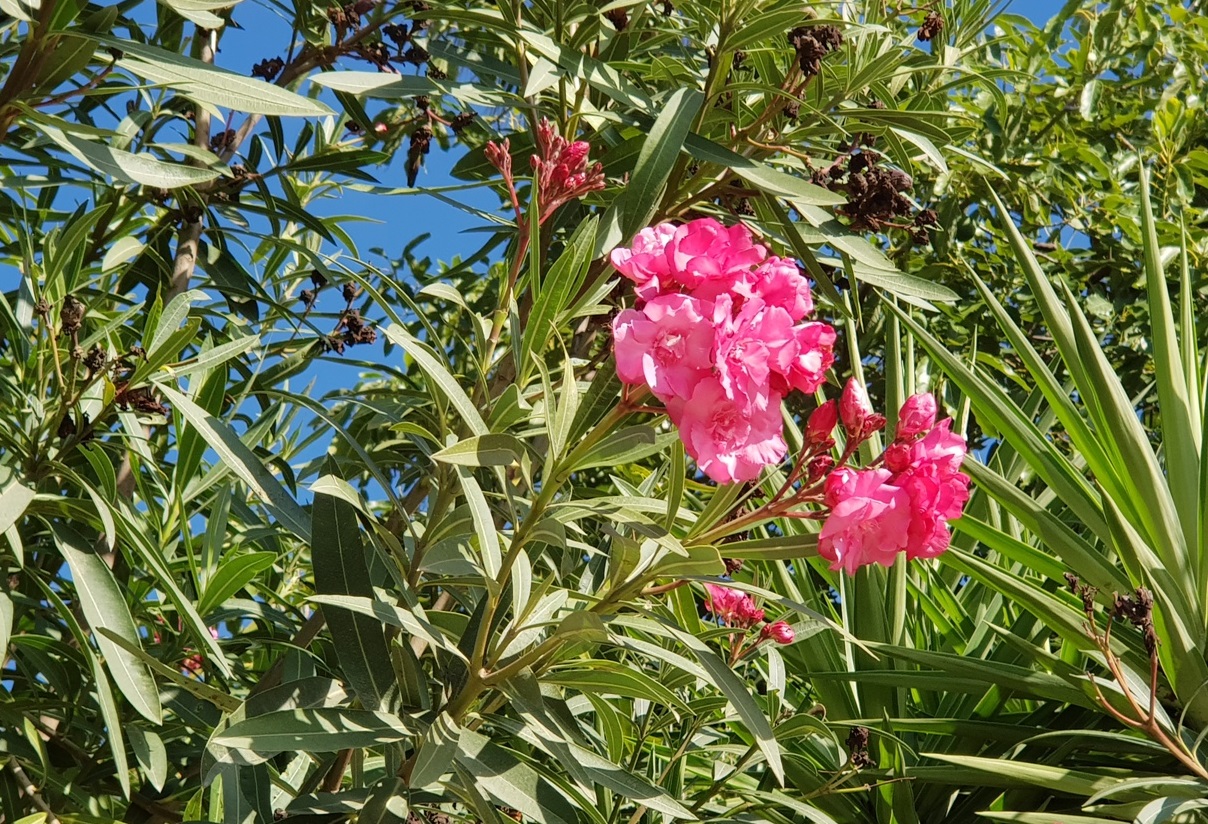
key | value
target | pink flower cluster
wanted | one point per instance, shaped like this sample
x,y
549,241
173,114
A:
x,y
738,610
719,336
563,173
905,502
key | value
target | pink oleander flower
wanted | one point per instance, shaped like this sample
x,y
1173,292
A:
x,y
732,606
748,347
813,353
821,423
730,441
942,449
937,488
645,260
868,521
667,345
780,632
916,417
707,257
854,407
778,282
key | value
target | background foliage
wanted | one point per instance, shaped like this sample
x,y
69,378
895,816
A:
x,y
408,500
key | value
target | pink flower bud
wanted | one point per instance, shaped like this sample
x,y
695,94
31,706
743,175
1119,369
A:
x,y
575,155
897,457
917,416
499,155
381,128
780,632
854,407
819,466
821,423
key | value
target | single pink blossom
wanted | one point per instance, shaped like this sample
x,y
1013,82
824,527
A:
x,y
707,257
667,344
748,347
854,407
812,354
932,502
937,488
780,632
778,282
916,417
868,521
821,423
732,606
941,448
729,440
645,261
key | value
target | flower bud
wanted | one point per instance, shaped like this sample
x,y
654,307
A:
x,y
780,632
819,466
854,408
897,457
821,424
917,416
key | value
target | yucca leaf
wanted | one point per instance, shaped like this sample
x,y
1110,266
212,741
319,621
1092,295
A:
x,y
995,408
1179,433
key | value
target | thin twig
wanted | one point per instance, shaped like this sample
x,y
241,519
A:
x,y
27,788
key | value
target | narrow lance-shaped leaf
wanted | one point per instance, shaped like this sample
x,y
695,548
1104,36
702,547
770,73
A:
x,y
657,158
103,605
1179,433
243,462
327,729
209,84
338,557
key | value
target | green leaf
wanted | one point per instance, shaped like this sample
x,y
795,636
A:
x,y
904,285
101,600
327,729
437,374
6,621
658,156
1046,818
200,12
482,450
760,175
233,575
484,524
151,754
507,780
126,167
241,460
559,287
735,689
437,749
109,711
603,677
209,84
626,446
993,772
13,502
338,558
409,620
1174,400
